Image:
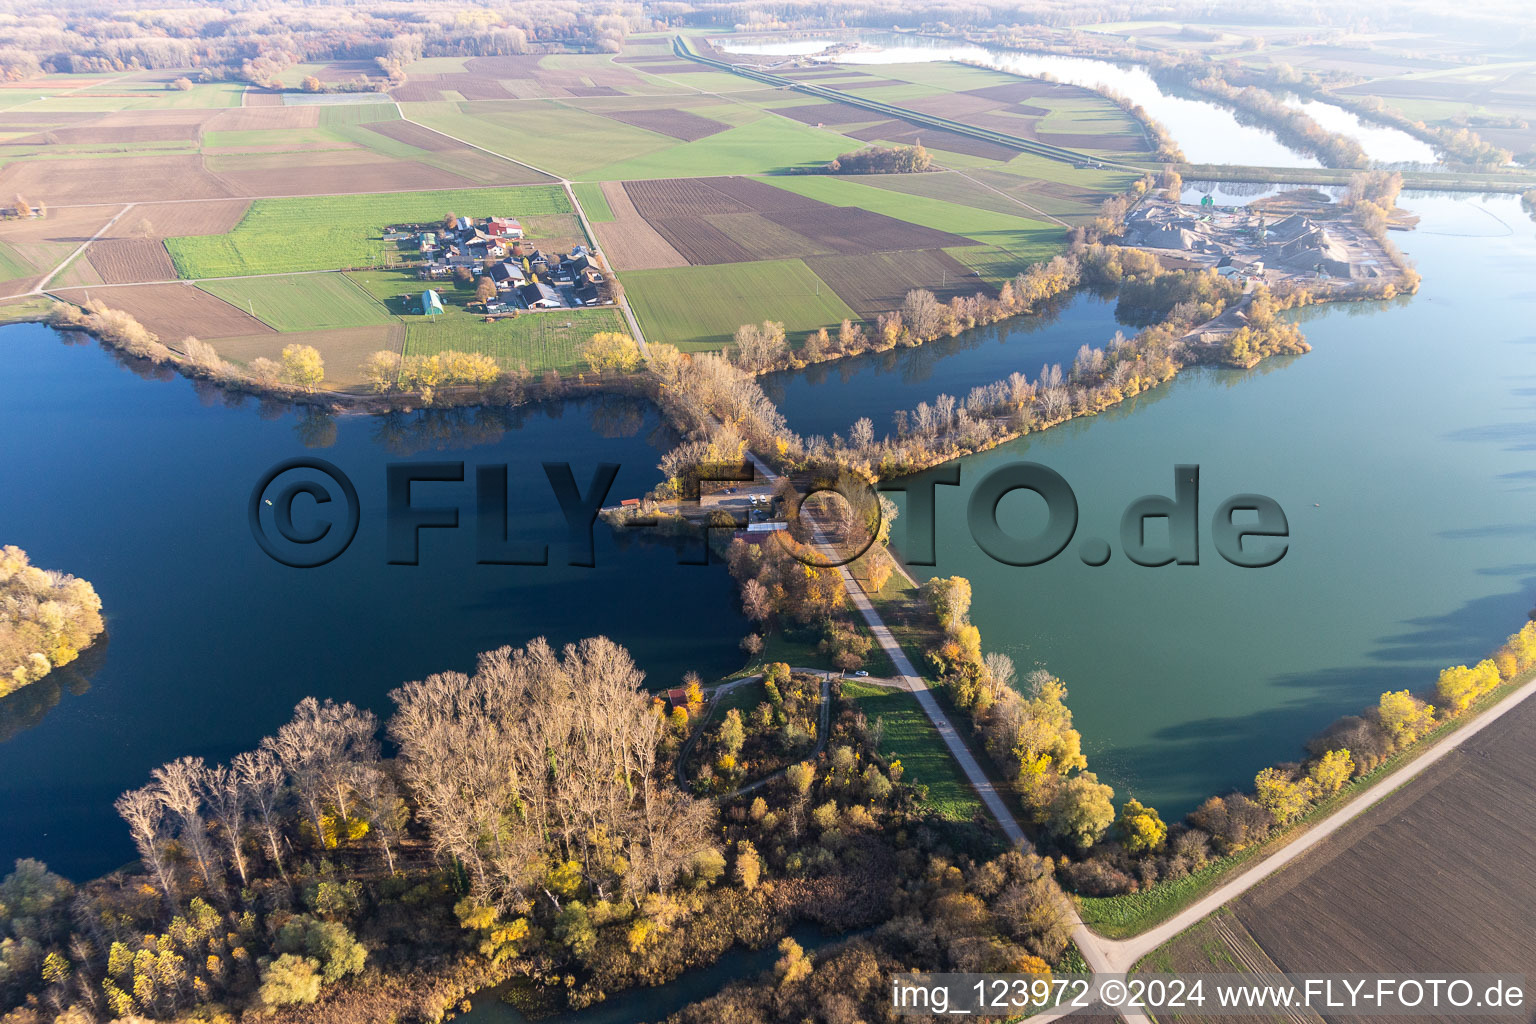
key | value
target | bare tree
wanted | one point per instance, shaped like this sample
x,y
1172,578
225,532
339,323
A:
x,y
145,815
543,755
319,748
179,786
264,781
380,804
224,790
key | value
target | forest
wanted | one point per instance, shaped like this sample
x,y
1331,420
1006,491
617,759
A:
x,y
526,828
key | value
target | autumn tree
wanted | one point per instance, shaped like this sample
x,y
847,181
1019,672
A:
x,y
1403,717
610,350
1140,827
302,366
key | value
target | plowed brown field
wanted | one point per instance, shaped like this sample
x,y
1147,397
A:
x,y
174,311
129,260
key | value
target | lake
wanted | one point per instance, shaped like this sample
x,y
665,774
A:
x,y
141,486
826,398
1401,449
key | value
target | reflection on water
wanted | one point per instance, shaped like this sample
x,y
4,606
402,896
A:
x,y
1400,451
826,398
137,480
1382,143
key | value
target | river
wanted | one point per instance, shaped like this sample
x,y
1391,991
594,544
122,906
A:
x,y
1208,132
1400,449
141,486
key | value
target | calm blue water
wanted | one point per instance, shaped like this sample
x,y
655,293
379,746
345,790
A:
x,y
1403,450
141,487
828,397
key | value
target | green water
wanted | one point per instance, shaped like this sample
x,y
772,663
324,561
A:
x,y
1403,450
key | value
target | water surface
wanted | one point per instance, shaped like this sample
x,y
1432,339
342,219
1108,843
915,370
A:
x,y
1208,132
826,398
141,486
1401,449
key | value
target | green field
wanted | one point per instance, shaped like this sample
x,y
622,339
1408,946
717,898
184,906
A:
x,y
302,302
338,232
593,202
543,133
358,113
761,146
12,265
994,265
548,340
910,737
1030,240
701,307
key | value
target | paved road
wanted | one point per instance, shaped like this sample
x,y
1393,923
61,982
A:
x,y
912,681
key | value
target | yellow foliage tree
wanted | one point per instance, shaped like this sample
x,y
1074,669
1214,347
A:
x,y
1141,828
1329,772
1459,686
1403,717
302,366
610,350
1279,794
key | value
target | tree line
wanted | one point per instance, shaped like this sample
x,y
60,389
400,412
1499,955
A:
x,y
1026,728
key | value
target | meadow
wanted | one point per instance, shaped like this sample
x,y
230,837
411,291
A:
x,y
302,302
909,736
701,307
536,342
341,232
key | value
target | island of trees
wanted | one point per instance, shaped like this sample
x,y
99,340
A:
x,y
881,160
46,619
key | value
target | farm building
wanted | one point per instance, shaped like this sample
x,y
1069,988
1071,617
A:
x,y
507,275
431,302
538,295
504,227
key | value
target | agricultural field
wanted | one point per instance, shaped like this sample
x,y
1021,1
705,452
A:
x,y
678,167
174,311
344,349
338,232
130,260
303,302
1027,238
627,239
1360,899
536,342
701,307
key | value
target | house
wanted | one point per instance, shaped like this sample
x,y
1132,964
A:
x,y
537,295
507,275
586,293
465,225
505,227
428,241
431,302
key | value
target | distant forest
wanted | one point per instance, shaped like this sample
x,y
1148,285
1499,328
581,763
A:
x,y
115,35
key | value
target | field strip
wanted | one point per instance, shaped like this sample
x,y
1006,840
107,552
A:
x,y
77,253
1005,195
1123,954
